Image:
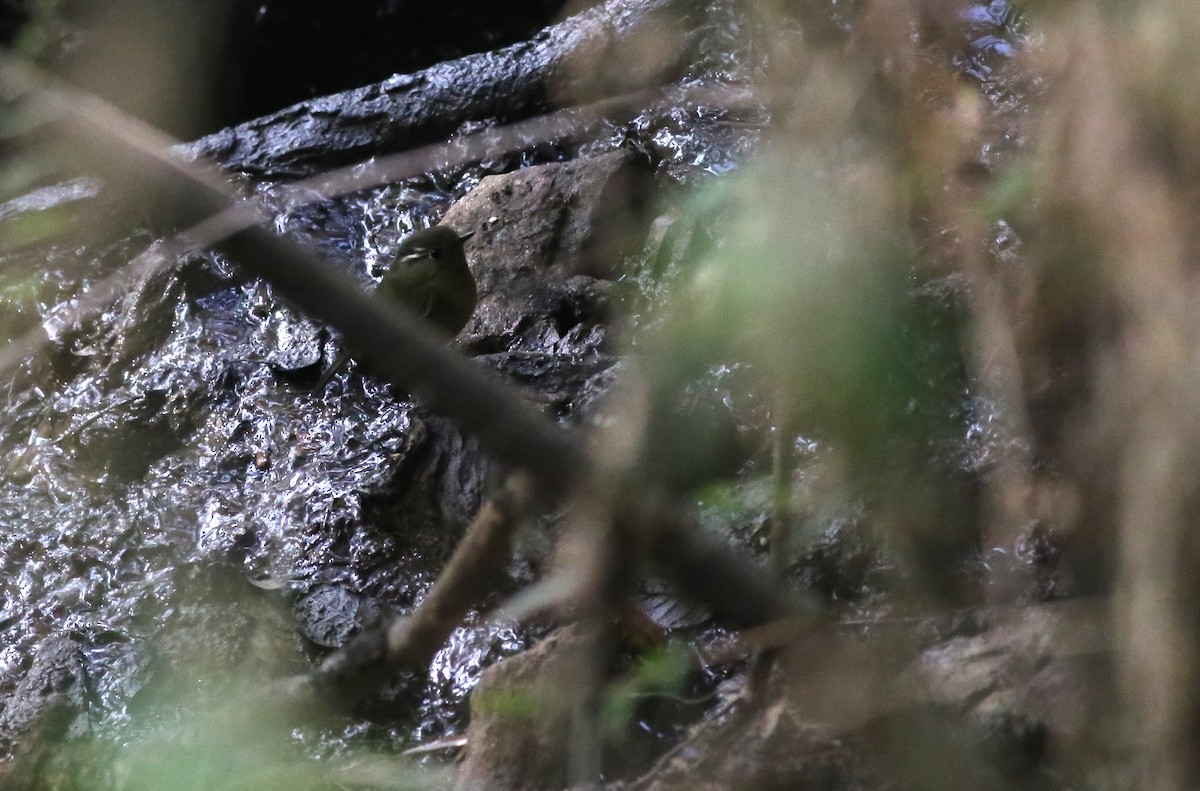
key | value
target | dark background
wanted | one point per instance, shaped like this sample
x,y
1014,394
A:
x,y
259,56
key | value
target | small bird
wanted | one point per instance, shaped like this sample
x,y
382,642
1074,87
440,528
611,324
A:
x,y
430,277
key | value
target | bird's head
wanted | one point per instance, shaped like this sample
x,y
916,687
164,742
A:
x,y
439,244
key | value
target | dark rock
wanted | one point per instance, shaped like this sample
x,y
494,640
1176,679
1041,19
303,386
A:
x,y
544,236
1040,665
521,718
569,384
50,197
591,54
981,711
667,611
224,633
290,342
330,614
49,703
290,50
759,747
441,482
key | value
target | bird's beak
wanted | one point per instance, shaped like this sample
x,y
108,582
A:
x,y
464,237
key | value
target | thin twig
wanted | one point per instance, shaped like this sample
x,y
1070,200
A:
x,y
412,641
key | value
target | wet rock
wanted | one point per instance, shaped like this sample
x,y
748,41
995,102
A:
x,y
49,702
591,54
329,614
147,316
24,219
545,237
521,718
569,384
751,747
843,561
430,494
981,710
224,632
1039,665
667,611
529,711
291,342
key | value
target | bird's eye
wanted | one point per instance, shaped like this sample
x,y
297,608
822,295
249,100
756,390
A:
x,y
435,253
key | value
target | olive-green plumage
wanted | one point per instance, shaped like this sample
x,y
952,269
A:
x,y
430,277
